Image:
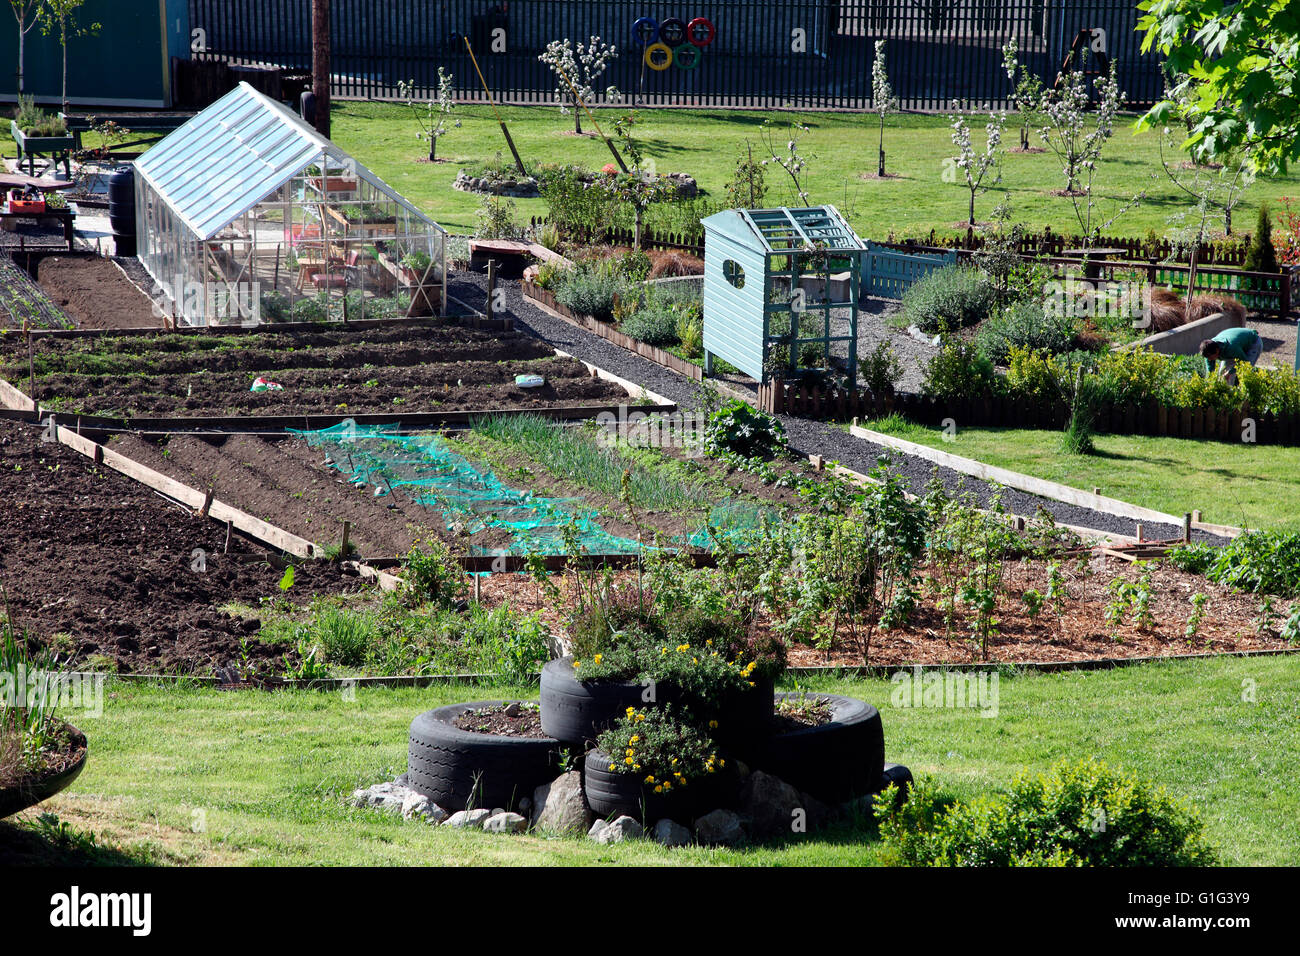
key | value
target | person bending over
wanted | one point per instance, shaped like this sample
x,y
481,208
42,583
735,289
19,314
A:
x,y
1230,347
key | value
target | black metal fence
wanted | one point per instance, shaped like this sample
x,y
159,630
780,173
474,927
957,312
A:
x,y
807,54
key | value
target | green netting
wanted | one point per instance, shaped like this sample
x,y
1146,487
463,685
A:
x,y
424,468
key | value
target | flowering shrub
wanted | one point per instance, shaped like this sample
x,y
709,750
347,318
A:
x,y
666,752
1287,238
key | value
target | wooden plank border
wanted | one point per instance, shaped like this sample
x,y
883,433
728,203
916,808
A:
x,y
1035,486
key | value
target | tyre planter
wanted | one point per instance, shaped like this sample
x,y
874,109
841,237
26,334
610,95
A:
x,y
612,794
836,761
576,712
458,768
28,793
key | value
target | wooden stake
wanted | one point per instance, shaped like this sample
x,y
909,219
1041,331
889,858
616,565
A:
x,y
229,526
478,589
1187,527
492,288
343,545
207,502
1139,533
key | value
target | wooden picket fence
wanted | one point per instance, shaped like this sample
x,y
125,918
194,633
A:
x,y
1055,244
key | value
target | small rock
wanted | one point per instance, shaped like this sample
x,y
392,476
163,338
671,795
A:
x,y
597,829
414,805
468,819
622,828
670,833
559,806
505,823
511,709
719,828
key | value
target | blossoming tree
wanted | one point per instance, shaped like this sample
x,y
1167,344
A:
x,y
577,67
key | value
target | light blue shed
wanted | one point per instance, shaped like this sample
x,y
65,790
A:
x,y
773,277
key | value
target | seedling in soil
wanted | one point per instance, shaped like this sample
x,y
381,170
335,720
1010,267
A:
x,y
1199,604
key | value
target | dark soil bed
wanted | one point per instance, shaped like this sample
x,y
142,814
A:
x,y
425,368
507,720
98,567
287,483
96,294
1081,635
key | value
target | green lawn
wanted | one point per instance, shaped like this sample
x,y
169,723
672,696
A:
x,y
202,776
706,144
1254,486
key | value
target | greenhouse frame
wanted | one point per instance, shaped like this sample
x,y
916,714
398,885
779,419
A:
x,y
246,215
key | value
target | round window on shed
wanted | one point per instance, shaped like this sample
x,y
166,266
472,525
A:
x,y
733,273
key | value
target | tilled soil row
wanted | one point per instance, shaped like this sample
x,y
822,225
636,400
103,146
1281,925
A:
x,y
104,571
422,388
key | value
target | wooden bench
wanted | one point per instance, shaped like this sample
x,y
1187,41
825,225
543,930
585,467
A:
x,y
156,125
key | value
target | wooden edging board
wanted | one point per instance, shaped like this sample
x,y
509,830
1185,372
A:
x,y
1087,534
1036,486
610,334
262,531
831,670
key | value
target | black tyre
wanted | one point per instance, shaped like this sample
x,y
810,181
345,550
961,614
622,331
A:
x,y
836,761
458,768
611,794
576,712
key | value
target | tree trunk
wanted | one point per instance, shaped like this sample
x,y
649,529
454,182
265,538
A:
x,y
971,218
433,147
22,37
577,117
63,41
637,237
320,63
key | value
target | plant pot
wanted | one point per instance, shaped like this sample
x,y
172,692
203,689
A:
x,y
28,793
835,761
335,184
577,711
611,794
458,768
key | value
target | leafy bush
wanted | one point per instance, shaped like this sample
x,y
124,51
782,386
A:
x,y
653,325
1132,375
947,299
1025,325
315,309
1035,375
591,291
275,306
740,429
433,574
880,369
1262,562
690,333
958,370
1075,814
496,219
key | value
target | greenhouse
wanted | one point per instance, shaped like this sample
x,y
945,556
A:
x,y
246,214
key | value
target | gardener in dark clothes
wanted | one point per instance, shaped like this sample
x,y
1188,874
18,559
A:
x,y
1230,347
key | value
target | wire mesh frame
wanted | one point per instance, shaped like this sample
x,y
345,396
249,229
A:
x,y
332,237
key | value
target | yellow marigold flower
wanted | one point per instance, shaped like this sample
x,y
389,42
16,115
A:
x,y
709,642
695,660
667,785
577,664
630,752
612,766
713,723
596,659
628,761
631,711
751,683
711,768
722,763
659,788
642,716
650,778
634,738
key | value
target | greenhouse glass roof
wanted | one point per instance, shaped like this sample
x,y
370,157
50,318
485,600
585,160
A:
x,y
234,154
786,230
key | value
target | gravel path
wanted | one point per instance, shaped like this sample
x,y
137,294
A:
x,y
807,437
